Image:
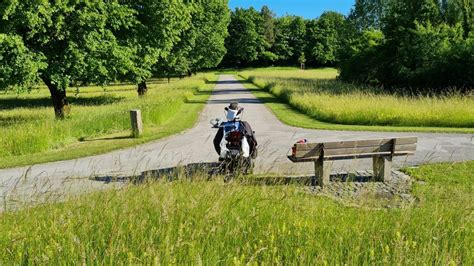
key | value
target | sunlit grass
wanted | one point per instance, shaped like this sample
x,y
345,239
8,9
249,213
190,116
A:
x,y
211,222
318,94
28,125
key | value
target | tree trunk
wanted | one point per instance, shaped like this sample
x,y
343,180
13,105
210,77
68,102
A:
x,y
142,88
169,79
58,96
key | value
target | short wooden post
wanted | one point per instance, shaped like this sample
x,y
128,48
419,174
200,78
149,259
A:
x,y
382,168
322,170
137,124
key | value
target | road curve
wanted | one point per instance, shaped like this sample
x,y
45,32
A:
x,y
195,145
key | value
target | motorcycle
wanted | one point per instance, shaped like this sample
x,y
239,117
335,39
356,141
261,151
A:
x,y
234,156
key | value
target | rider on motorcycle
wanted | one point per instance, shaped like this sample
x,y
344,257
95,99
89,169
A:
x,y
249,142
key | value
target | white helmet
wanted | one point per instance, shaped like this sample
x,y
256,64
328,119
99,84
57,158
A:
x,y
233,112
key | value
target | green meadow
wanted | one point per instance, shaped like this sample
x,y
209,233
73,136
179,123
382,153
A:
x,y
318,94
99,120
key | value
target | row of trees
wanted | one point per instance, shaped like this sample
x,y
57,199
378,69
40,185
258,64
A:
x,y
395,43
260,39
410,44
392,43
70,43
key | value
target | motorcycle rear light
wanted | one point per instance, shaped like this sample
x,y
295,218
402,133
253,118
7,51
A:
x,y
234,136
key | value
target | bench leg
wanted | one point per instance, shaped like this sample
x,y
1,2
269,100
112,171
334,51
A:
x,y
383,168
323,171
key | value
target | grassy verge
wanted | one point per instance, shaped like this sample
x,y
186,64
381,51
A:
x,y
313,99
211,222
99,122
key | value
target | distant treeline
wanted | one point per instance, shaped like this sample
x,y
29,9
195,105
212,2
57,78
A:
x,y
393,43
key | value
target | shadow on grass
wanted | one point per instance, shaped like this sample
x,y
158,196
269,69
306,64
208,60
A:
x,y
105,138
14,119
207,171
12,103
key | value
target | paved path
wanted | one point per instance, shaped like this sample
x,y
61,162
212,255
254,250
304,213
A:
x,y
195,145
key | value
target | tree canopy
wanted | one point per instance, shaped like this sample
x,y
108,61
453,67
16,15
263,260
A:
x,y
412,44
66,43
158,29
69,43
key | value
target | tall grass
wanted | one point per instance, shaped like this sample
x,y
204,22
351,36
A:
x,y
28,124
318,94
214,223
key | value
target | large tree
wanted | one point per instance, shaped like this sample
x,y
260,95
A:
x,y
209,27
290,39
202,45
159,26
282,46
324,38
268,25
368,14
245,41
63,43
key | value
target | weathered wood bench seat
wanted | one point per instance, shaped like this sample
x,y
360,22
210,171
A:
x,y
381,150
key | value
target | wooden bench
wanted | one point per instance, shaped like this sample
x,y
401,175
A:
x,y
381,150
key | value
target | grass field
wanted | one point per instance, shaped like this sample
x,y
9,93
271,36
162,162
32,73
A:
x,y
337,105
215,223
99,120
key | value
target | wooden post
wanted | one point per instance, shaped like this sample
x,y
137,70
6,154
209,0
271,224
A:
x,y
322,170
382,168
137,125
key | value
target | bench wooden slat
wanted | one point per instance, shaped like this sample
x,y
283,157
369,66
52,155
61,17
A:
x,y
357,143
354,151
315,153
381,149
365,155
345,156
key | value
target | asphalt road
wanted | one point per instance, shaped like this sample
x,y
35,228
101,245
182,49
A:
x,y
195,145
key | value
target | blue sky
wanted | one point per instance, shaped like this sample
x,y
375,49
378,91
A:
x,y
305,8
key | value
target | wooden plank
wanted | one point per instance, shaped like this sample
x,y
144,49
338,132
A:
x,y
306,146
355,151
356,143
346,157
380,149
322,169
301,160
315,152
382,168
365,155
